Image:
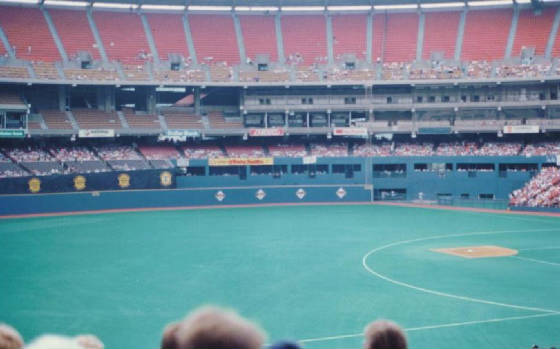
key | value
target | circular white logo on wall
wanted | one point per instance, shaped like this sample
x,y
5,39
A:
x,y
341,193
220,196
300,193
260,194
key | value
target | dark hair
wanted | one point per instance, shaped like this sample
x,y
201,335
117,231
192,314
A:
x,y
384,335
169,338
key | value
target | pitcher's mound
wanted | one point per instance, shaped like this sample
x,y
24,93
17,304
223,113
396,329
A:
x,y
478,251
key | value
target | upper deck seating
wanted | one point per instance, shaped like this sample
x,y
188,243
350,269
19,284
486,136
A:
x,y
73,29
259,36
214,38
35,43
305,38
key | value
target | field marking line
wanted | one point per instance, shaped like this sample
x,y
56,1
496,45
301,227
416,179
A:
x,y
444,294
536,260
539,248
432,327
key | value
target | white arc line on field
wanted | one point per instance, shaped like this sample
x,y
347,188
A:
x,y
536,260
540,248
443,294
432,327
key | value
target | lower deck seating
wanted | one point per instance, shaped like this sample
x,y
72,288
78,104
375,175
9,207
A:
x,y
241,151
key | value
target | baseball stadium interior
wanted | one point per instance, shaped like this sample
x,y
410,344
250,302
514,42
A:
x,y
194,118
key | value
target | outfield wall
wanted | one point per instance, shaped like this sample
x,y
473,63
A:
x,y
131,199
360,180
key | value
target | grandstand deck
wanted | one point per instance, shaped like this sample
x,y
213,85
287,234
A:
x,y
214,45
37,47
168,33
73,29
305,36
440,33
123,37
486,34
259,36
349,35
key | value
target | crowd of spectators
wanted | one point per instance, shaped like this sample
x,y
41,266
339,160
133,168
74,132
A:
x,y
18,161
542,148
329,150
205,328
118,152
541,191
203,152
414,149
29,154
73,153
287,150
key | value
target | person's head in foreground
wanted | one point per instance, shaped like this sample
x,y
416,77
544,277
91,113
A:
x,y
89,341
215,328
285,345
169,338
384,334
54,341
10,337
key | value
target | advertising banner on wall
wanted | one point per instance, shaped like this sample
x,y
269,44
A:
x,y
240,161
182,133
266,132
521,129
96,133
12,133
350,131
143,179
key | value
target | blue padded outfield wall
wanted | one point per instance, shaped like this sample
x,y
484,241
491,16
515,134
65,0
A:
x,y
345,179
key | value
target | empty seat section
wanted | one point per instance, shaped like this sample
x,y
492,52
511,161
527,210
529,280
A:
x,y
305,36
214,38
378,37
96,119
533,30
74,31
349,35
141,120
169,34
259,36
56,120
402,34
440,33
218,121
181,120
123,36
486,33
35,43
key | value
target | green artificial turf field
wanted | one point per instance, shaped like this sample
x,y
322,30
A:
x,y
316,273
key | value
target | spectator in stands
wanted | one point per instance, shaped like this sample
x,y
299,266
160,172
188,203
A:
x,y
10,337
211,327
384,334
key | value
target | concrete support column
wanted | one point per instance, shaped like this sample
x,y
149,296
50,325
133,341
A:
x,y
62,97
